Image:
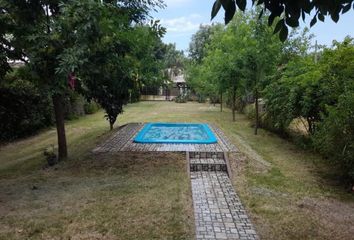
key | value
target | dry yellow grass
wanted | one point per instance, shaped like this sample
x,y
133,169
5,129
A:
x,y
284,189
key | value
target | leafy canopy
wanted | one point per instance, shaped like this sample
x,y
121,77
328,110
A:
x,y
288,11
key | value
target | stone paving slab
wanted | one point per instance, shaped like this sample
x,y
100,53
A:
x,y
207,161
207,164
218,211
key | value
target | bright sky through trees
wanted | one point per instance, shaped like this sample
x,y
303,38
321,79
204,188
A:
x,y
183,17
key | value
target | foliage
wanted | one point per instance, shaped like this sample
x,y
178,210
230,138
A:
x,y
50,156
118,58
320,93
335,135
288,12
24,109
312,88
92,39
172,58
197,46
295,95
181,99
91,107
236,59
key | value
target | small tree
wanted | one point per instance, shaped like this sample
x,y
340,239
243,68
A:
x,y
110,56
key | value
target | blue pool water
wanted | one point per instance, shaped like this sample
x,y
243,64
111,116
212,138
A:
x,y
176,133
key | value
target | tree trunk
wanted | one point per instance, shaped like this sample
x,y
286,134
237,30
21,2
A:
x,y
257,117
220,102
59,121
234,105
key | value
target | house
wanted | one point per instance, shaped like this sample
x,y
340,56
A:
x,y
172,88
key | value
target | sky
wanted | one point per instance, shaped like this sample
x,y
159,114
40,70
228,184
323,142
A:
x,y
182,19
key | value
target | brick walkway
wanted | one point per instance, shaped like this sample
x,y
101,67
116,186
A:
x,y
218,211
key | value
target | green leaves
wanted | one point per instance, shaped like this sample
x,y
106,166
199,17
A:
x,y
282,29
215,9
292,22
279,26
346,8
229,6
241,4
290,10
230,10
283,34
335,16
313,21
321,17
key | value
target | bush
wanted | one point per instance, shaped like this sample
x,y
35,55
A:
x,y
23,110
334,137
181,99
74,105
201,98
91,107
250,111
214,99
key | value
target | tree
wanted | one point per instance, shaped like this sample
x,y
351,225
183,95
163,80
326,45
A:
x,y
148,52
35,33
115,54
222,68
199,41
172,58
262,47
27,35
288,12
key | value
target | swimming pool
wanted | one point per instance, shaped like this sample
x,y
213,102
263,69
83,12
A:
x,y
186,133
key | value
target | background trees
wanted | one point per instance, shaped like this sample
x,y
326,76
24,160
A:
x,y
297,84
236,59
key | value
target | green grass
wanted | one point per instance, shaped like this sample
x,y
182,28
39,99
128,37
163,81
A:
x,y
148,196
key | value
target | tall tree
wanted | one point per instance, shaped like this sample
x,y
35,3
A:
x,y
34,32
200,40
263,47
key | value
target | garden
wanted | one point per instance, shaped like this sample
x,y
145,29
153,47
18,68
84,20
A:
x,y
259,91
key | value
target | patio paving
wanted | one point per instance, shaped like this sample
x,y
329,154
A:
x,y
122,141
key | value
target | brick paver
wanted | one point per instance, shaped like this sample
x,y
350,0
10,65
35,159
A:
x,y
218,211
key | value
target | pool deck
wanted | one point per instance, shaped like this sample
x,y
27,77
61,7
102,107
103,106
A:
x,y
122,141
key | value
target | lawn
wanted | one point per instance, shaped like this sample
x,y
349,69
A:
x,y
134,196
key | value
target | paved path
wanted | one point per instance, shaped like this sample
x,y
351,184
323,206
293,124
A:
x,y
218,211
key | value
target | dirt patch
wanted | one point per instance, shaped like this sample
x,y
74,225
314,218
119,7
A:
x,y
335,217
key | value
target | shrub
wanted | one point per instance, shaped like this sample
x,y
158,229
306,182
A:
x,y
23,110
91,107
334,137
250,111
214,99
201,98
181,99
74,105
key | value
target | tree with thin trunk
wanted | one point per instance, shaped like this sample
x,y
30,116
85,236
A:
x,y
261,58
